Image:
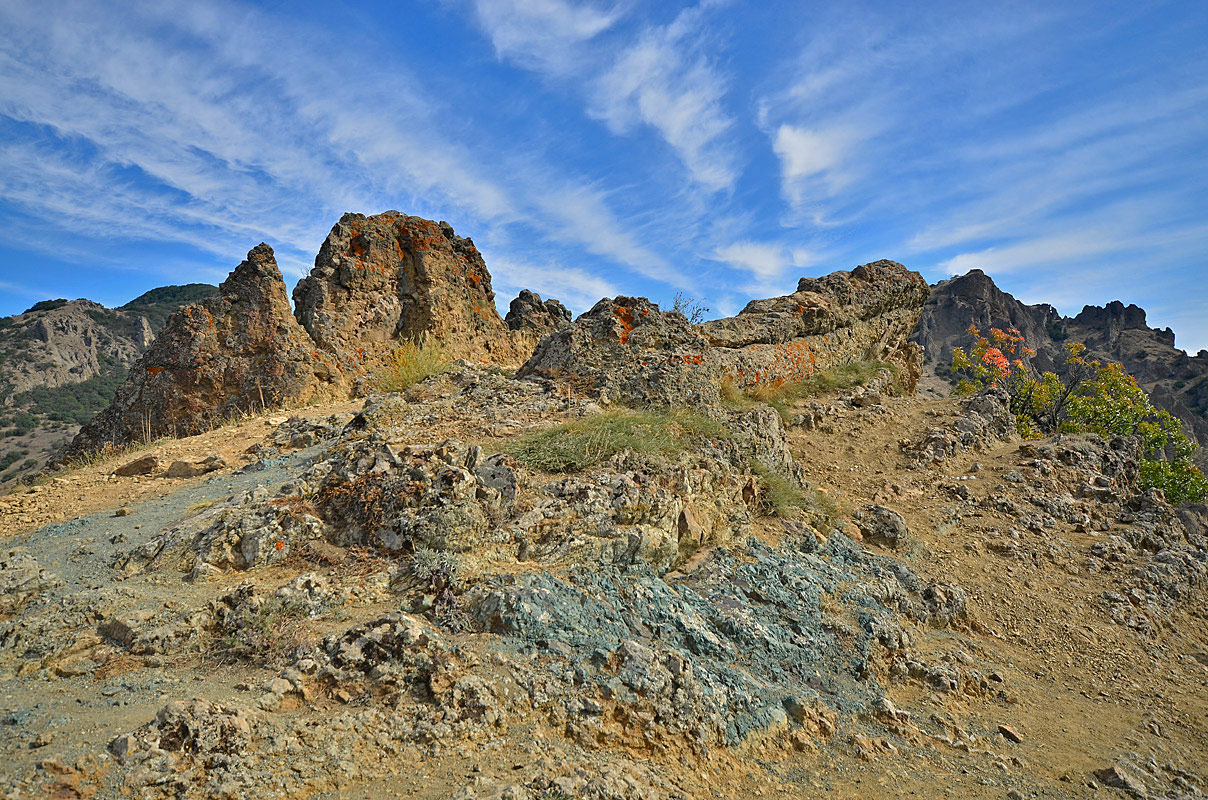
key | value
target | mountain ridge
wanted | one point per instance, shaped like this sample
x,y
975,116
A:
x,y
60,361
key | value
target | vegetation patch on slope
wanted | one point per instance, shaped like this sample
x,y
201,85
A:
x,y
593,440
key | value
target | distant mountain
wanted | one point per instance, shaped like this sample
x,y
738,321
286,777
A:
x,y
61,360
1115,332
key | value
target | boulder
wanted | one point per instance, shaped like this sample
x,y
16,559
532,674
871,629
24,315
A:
x,y
883,525
140,466
192,469
627,350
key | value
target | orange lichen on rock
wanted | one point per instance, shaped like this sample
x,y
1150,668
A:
x,y
626,318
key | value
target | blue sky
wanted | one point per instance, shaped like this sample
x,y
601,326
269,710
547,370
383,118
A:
x,y
723,149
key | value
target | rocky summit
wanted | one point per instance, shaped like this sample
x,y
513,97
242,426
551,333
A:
x,y
377,281
619,557
388,277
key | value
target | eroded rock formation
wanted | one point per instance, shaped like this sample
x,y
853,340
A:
x,y
384,279
377,281
390,277
239,352
530,318
631,351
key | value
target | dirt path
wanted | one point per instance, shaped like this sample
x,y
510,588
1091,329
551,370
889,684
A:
x,y
94,488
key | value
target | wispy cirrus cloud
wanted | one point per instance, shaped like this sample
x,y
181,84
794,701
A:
x,y
546,35
766,263
665,81
175,126
656,77
603,146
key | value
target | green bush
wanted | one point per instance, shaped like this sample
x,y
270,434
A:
x,y
264,632
46,305
1091,397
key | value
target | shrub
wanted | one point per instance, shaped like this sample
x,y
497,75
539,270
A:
x,y
693,310
409,364
436,571
1090,397
261,630
593,440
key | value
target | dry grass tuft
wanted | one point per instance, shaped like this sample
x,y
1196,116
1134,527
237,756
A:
x,y
409,364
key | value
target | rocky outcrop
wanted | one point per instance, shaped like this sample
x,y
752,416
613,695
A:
x,y
377,281
63,342
390,277
974,299
628,350
60,362
1116,332
238,352
844,317
531,318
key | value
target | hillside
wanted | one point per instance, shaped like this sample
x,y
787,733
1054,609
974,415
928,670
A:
x,y
1175,381
624,557
644,628
60,362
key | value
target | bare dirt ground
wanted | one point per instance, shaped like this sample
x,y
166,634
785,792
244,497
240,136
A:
x,y
94,488
1074,688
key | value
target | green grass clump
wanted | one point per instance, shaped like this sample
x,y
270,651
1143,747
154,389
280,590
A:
x,y
593,440
847,376
782,496
409,364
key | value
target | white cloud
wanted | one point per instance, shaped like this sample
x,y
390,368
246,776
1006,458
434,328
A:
x,y
659,78
582,212
813,161
577,289
659,81
176,125
543,34
1020,255
767,262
